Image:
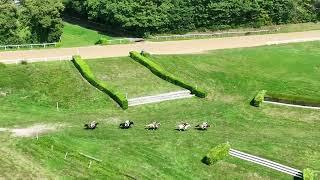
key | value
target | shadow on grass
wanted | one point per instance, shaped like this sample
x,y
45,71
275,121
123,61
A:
x,y
102,29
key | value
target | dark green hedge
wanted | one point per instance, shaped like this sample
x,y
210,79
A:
x,y
102,41
292,99
216,154
86,72
259,98
308,174
163,74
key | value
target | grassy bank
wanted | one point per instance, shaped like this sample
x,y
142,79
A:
x,y
232,77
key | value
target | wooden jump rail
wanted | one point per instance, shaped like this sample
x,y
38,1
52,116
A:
x,y
267,163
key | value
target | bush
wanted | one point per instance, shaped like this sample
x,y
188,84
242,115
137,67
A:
x,y
259,98
308,174
103,41
23,62
163,74
216,154
86,72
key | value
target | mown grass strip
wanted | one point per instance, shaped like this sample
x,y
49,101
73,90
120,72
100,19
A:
x,y
163,74
86,72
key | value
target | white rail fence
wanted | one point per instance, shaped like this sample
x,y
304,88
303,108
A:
x,y
31,46
30,60
185,36
266,163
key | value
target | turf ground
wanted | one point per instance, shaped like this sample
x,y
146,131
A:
x,y
74,36
232,77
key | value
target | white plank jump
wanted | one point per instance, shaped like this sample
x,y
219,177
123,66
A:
x,y
291,105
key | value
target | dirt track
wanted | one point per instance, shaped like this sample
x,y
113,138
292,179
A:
x,y
168,47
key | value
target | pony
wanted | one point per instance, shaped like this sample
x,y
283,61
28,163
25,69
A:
x,y
126,125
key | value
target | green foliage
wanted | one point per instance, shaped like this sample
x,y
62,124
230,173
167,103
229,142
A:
x,y
308,174
103,41
86,72
179,16
259,98
216,154
162,73
33,21
293,99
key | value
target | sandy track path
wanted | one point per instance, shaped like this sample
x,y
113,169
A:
x,y
167,47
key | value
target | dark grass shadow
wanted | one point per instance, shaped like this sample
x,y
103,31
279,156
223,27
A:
x,y
102,29
297,178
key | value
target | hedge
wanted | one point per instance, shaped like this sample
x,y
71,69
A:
x,y
308,174
103,41
293,99
259,98
86,72
163,74
216,154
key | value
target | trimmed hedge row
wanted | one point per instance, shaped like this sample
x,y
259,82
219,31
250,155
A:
x,y
163,74
281,98
292,99
216,154
259,98
86,72
103,41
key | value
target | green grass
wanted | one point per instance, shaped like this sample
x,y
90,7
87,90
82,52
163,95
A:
x,y
232,77
285,28
129,77
75,36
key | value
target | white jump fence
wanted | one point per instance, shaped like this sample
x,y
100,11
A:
x,y
203,35
267,163
30,60
31,46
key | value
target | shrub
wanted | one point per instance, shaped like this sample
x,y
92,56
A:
x,y
163,74
86,72
259,98
103,41
216,154
23,62
308,174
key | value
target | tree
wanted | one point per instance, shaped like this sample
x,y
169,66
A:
x,y
9,23
43,18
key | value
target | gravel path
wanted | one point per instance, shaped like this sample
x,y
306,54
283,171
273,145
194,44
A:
x,y
167,47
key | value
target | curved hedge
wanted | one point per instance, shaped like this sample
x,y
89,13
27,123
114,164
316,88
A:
x,y
86,72
165,75
216,154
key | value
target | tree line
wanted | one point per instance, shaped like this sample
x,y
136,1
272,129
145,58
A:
x,y
176,16
39,21
30,21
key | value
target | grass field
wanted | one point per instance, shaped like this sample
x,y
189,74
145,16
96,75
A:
x,y
75,35
232,77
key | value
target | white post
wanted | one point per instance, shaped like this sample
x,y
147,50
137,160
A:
x,y
65,156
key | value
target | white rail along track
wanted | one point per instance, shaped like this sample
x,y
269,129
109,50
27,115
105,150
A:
x,y
266,163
